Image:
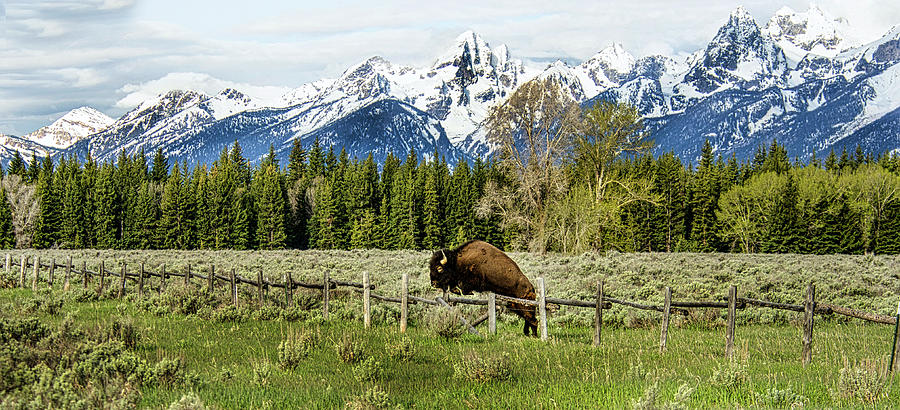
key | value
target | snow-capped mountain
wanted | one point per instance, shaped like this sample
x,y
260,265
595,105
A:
x,y
70,128
813,31
804,78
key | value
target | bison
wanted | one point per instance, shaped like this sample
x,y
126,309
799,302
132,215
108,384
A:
x,y
478,266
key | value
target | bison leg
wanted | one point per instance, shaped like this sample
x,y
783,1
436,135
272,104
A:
x,y
528,314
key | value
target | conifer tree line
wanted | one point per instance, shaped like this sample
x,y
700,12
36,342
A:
x,y
846,203
319,199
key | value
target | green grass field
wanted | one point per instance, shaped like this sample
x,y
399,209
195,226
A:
x,y
233,358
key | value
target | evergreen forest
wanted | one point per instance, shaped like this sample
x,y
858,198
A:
x,y
846,203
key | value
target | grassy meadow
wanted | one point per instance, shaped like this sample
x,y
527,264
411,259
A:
x,y
183,347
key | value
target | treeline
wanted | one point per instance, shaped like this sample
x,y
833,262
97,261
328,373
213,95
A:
x,y
319,199
847,203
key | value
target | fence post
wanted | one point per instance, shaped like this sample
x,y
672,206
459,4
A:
x,y
233,289
102,278
367,312
808,311
141,281
84,275
598,314
22,274
729,331
7,263
404,302
326,290
50,274
187,275
896,346
163,276
122,281
288,289
664,331
259,288
37,270
492,313
68,273
542,300
211,280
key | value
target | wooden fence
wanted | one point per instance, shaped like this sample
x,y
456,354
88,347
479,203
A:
x,y
810,307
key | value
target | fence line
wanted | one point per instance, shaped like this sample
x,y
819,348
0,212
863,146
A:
x,y
602,301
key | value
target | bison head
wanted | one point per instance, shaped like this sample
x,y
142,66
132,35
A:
x,y
443,270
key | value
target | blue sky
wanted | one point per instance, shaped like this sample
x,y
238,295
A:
x,y
62,54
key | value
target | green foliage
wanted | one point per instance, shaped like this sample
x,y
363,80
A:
x,y
775,398
649,401
730,375
480,369
373,398
861,381
368,370
445,323
349,349
294,349
188,401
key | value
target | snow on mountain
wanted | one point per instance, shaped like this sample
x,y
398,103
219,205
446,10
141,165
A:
x,y
70,128
804,79
813,31
740,55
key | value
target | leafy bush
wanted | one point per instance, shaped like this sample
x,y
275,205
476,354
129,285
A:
x,y
730,375
294,350
169,372
373,398
230,313
262,371
124,330
349,349
82,295
445,323
861,382
368,370
188,401
651,396
403,349
474,367
778,399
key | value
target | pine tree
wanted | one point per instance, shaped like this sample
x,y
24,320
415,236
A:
x,y
321,225
160,170
705,200
17,165
270,206
670,184
783,230
361,232
147,216
432,217
34,170
73,227
7,233
831,162
887,240
106,209
48,223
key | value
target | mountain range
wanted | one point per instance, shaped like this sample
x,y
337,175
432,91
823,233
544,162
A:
x,y
804,78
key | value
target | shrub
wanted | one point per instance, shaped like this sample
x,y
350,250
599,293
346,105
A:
x,y
262,371
188,401
861,381
445,323
649,400
229,313
82,295
403,349
294,349
373,398
368,370
476,368
169,372
779,399
124,330
730,375
349,349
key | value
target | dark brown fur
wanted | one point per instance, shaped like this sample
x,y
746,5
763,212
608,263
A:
x,y
478,266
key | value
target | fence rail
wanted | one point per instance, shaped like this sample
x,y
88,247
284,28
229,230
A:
x,y
601,302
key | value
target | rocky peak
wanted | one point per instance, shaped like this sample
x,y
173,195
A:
x,y
812,31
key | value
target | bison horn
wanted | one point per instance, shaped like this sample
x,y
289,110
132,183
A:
x,y
443,261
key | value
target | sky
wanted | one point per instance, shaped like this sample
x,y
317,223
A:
x,y
57,55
